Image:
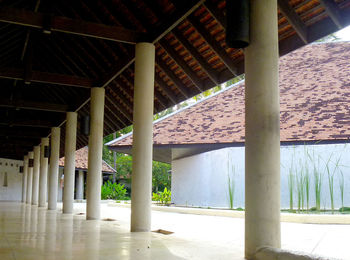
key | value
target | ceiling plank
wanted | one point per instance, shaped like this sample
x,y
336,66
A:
x,y
31,105
214,45
333,11
166,89
294,19
184,66
178,83
47,77
196,55
174,20
70,26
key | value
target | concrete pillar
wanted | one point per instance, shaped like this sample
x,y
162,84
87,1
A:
x,y
53,175
36,175
80,185
69,162
262,130
93,192
141,184
30,177
44,160
24,180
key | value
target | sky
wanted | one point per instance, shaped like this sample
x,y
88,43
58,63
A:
x,y
344,34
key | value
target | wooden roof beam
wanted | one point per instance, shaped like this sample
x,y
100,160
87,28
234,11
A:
x,y
178,83
70,26
293,19
166,89
183,65
174,20
333,11
214,45
196,55
47,77
31,105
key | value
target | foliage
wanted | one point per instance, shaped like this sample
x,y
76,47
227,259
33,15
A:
x,y
113,191
161,178
300,188
163,198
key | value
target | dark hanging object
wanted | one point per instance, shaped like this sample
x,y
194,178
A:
x,y
20,169
85,125
5,180
46,151
31,163
237,18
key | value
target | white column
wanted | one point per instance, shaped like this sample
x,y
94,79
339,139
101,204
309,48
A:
x,y
262,137
53,175
30,177
69,162
141,184
44,159
93,192
80,185
24,180
36,175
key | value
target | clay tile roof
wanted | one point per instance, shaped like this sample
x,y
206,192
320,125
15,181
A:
x,y
81,161
315,92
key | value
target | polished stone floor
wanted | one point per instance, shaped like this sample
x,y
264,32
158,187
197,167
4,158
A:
x,y
28,232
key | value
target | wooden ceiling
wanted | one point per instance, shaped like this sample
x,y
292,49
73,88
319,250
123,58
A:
x,y
52,52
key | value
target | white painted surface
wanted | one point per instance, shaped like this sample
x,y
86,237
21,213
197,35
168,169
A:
x,y
202,180
13,191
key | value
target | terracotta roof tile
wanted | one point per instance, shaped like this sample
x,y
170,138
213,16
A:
x,y
81,161
315,90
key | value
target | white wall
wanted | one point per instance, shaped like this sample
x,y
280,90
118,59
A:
x,y
13,191
202,180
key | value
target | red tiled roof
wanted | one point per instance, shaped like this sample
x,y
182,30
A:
x,y
81,161
315,93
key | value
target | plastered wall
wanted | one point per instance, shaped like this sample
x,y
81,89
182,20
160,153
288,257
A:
x,y
10,189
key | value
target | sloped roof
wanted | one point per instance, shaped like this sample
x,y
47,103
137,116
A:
x,y
81,161
315,91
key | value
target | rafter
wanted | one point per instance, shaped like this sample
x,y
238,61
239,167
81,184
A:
x,y
166,89
333,11
47,77
196,55
175,19
171,74
70,26
184,66
293,19
31,105
214,45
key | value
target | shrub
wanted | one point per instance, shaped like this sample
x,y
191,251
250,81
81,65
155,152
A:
x,y
162,197
113,191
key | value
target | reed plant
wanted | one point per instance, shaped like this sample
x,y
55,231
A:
x,y
330,174
291,187
317,178
341,188
300,188
306,179
230,181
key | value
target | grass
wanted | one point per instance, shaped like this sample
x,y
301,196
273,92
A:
x,y
341,188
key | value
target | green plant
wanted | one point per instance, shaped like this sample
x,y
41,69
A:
x,y
330,175
306,179
162,197
341,188
291,187
317,179
300,188
113,191
230,181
